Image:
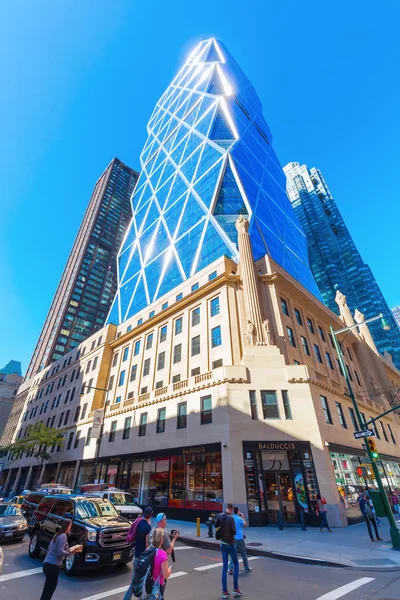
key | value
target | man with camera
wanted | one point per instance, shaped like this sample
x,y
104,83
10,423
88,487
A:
x,y
240,544
168,544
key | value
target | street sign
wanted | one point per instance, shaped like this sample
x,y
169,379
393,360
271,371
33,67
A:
x,y
363,434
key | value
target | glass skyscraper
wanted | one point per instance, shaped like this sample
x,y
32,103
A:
x,y
334,258
208,158
89,281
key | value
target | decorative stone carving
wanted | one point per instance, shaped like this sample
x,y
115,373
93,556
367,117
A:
x,y
250,333
267,333
358,316
340,299
242,224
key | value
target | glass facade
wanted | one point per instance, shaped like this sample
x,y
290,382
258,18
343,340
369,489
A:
x,y
335,261
208,158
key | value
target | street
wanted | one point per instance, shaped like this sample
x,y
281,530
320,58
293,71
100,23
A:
x,y
197,574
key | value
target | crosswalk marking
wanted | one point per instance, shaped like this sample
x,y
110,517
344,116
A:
x,y
206,567
21,574
120,590
346,589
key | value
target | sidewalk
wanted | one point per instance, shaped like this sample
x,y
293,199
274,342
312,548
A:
x,y
344,547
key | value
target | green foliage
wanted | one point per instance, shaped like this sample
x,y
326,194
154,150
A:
x,y
37,443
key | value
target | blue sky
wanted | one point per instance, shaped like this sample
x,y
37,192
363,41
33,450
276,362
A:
x,y
79,82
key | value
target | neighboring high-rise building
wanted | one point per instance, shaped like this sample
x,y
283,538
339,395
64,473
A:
x,y
89,281
396,314
334,258
10,380
208,158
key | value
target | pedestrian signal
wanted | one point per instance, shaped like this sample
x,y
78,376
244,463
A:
x,y
372,448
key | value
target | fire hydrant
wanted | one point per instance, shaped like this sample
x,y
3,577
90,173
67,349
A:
x,y
210,524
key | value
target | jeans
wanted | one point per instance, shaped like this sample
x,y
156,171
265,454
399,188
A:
x,y
324,521
52,572
227,551
373,521
240,547
129,591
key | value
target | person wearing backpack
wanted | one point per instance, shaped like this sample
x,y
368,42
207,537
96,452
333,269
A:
x,y
139,534
225,531
369,515
152,571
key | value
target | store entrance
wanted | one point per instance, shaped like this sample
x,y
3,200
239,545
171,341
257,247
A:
x,y
280,505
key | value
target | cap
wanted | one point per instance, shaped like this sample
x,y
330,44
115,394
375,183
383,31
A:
x,y
148,512
160,517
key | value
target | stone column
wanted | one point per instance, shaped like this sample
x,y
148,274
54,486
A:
x,y
40,480
345,313
28,478
57,472
16,482
254,325
75,477
365,332
7,483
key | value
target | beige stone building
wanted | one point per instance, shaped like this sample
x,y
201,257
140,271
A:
x,y
226,389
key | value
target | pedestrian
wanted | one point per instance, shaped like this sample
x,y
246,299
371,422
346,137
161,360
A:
x,y
395,502
321,506
142,536
225,532
161,523
240,544
57,551
161,570
367,510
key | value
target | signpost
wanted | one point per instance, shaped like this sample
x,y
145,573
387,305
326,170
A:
x,y
364,433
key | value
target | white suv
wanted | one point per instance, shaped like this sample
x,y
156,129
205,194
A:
x,y
123,502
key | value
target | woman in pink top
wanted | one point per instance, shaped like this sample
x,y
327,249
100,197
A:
x,y
161,570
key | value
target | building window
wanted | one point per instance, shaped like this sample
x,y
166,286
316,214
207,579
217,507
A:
x,y
212,275
176,378
290,333
178,297
71,437
364,421
84,409
253,405
149,341
77,411
298,316
142,424
206,410
339,367
329,360
136,348
159,384
196,316
88,366
350,354
195,287
342,420
151,314
163,333
195,372
310,325
129,328
162,412
325,408
317,353
196,345
113,430
177,353
140,321
164,306
60,420
296,362
121,378
182,416
125,354
383,430
391,433
118,400
96,358
284,306
374,425
127,428
331,340
178,326
305,345
353,419
286,405
133,372
88,437
143,390
161,361
269,403
115,359
214,306
217,363
216,339
77,438
321,333
357,377
350,376
146,367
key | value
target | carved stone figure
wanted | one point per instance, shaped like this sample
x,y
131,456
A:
x,y
250,333
340,299
267,332
358,316
242,224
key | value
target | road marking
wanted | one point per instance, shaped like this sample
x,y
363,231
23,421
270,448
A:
x,y
346,589
123,589
21,574
220,564
183,548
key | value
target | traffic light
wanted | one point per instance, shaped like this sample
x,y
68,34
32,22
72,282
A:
x,y
372,448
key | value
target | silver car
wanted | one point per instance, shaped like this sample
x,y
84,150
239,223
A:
x,y
13,525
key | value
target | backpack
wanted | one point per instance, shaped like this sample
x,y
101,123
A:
x,y
218,531
143,582
131,537
369,510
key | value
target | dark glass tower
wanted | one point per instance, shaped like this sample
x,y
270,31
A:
x,y
334,258
89,281
208,158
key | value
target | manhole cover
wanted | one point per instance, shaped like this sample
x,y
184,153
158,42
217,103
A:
x,y
254,544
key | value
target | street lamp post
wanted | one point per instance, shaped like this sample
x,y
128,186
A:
x,y
394,532
98,440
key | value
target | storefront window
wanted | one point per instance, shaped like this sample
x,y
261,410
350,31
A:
x,y
213,482
135,480
111,475
177,487
253,503
158,483
194,481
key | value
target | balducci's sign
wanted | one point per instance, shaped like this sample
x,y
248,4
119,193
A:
x,y
198,450
277,446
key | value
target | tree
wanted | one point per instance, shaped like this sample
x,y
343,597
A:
x,y
39,439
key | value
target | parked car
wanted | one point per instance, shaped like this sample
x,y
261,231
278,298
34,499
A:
x,y
95,524
13,525
31,503
55,488
17,500
123,502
